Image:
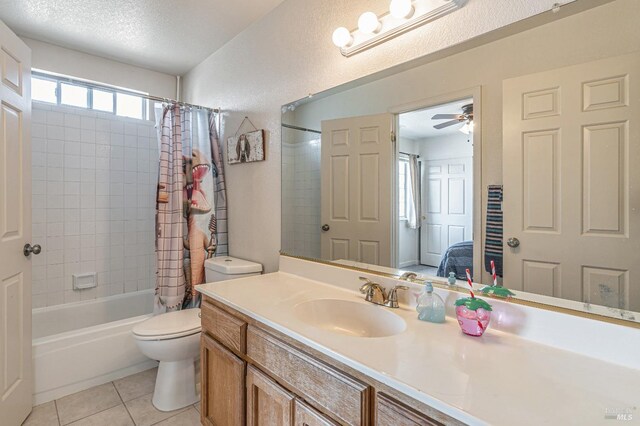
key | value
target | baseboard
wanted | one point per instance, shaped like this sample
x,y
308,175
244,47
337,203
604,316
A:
x,y
408,263
50,395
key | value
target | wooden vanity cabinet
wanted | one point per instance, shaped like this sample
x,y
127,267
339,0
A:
x,y
307,416
390,412
267,402
253,375
222,385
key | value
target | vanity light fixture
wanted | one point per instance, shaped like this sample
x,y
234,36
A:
x,y
403,16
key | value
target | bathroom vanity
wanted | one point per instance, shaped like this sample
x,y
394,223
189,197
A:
x,y
283,349
288,382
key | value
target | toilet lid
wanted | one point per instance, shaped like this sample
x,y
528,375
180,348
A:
x,y
170,325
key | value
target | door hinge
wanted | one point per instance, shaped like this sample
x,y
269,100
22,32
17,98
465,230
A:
x,y
393,136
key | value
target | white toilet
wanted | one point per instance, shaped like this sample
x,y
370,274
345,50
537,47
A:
x,y
174,339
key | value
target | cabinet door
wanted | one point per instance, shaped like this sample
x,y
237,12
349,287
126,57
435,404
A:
x,y
223,376
390,412
268,404
307,416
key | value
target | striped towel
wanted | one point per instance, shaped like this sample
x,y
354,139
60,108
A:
x,y
493,241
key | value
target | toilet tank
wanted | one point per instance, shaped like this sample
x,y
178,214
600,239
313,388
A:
x,y
229,268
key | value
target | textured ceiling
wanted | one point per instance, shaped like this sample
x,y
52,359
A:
x,y
418,124
163,35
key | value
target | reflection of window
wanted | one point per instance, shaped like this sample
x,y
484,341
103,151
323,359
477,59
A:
x,y
403,188
65,91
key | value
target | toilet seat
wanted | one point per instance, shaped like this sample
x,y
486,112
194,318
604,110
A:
x,y
171,325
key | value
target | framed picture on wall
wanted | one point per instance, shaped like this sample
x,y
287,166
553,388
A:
x,y
246,148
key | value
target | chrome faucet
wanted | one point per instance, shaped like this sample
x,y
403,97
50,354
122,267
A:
x,y
377,294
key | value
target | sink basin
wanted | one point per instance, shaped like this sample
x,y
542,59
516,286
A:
x,y
350,318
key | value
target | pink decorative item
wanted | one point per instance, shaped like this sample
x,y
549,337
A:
x,y
473,313
473,323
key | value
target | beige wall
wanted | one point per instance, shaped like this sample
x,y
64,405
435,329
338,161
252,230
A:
x,y
289,54
73,63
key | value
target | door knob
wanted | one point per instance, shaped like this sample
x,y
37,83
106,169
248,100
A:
x,y
28,249
513,242
325,227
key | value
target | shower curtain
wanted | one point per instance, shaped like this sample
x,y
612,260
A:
x,y
191,204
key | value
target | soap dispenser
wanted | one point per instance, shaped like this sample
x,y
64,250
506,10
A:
x,y
452,280
430,306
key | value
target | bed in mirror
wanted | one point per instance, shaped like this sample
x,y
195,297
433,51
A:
x,y
518,151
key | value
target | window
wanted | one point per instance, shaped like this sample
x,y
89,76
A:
x,y
129,106
102,100
74,95
403,188
69,92
44,90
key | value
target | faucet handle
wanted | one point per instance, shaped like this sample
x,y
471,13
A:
x,y
367,284
392,298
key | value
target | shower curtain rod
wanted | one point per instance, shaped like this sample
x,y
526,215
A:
x,y
119,90
406,153
289,126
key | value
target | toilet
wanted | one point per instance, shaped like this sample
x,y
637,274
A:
x,y
173,339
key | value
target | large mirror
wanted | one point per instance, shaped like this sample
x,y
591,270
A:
x,y
522,151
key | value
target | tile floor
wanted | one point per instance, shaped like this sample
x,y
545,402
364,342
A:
x,y
124,402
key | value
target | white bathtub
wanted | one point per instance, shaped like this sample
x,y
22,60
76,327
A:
x,y
84,344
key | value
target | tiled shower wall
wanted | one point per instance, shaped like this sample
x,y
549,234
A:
x,y
301,193
94,186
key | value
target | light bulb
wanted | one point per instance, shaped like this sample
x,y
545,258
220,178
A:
x,y
368,23
342,37
401,9
467,128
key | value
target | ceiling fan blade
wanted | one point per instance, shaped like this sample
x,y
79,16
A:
x,y
445,116
447,124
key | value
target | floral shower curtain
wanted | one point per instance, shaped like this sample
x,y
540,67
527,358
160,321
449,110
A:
x,y
191,204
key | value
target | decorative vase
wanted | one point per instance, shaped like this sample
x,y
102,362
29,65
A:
x,y
473,315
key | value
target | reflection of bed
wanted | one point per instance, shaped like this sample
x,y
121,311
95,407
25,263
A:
x,y
457,258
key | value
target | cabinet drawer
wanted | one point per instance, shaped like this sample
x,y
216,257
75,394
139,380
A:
x,y
227,329
337,394
390,412
307,416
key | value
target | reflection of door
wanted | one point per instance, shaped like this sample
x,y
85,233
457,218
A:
x,y
15,229
447,187
571,145
356,185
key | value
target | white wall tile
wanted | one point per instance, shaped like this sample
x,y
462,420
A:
x,y
82,210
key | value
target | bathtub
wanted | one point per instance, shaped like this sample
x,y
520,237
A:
x,y
84,344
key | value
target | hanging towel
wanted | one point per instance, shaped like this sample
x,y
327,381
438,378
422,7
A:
x,y
493,241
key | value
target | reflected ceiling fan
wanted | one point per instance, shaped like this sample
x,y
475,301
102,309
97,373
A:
x,y
466,117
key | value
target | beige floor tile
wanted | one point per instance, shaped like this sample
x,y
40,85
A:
x,y
83,404
116,416
145,414
43,415
134,386
197,406
187,418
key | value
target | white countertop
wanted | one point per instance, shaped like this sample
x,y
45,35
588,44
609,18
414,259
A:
x,y
497,379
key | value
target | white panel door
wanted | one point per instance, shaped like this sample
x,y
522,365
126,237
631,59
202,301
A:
x,y
447,197
15,228
356,200
571,145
